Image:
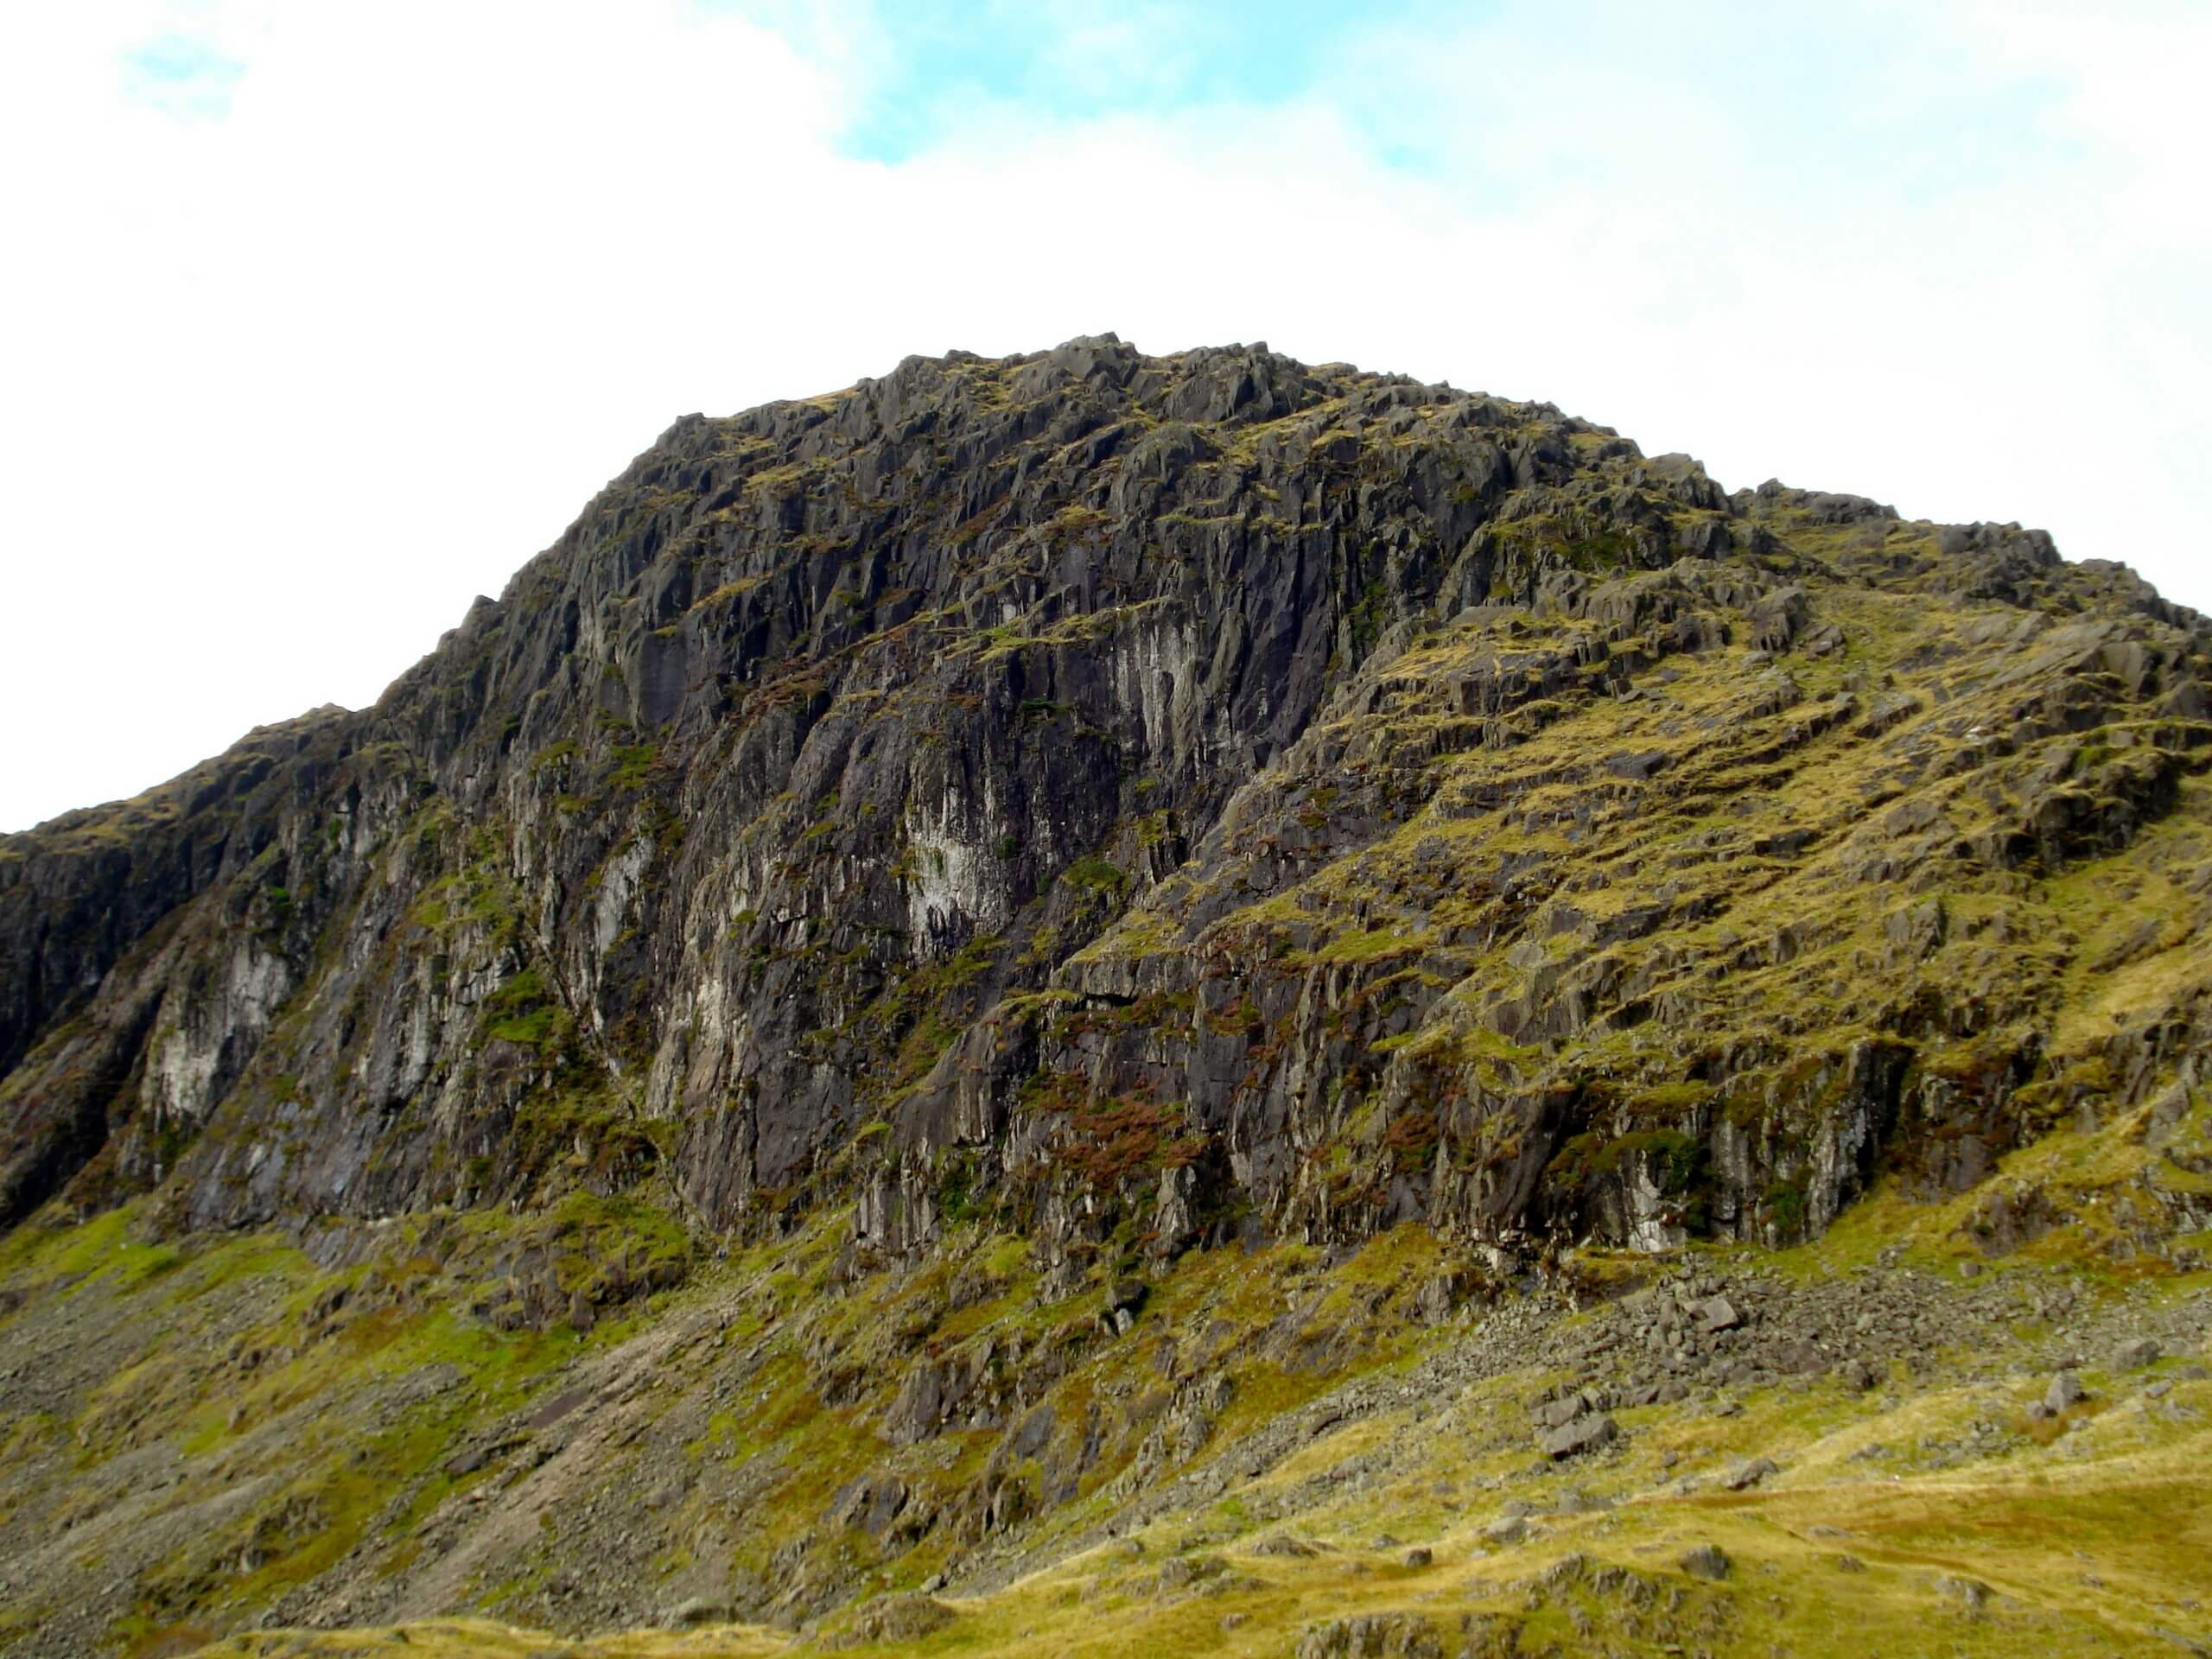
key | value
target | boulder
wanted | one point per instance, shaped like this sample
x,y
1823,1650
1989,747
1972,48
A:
x,y
1583,1434
1717,1314
1970,1593
1705,1561
895,1619
2134,1355
1748,1474
1558,1413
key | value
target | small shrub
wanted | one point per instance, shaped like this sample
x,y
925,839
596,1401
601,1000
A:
x,y
1095,875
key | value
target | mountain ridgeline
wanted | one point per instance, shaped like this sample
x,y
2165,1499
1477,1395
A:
x,y
1146,802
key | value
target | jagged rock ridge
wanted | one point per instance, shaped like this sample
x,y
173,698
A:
x,y
1151,799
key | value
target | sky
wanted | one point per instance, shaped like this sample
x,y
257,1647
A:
x,y
318,318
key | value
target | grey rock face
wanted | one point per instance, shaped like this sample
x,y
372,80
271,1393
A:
x,y
912,795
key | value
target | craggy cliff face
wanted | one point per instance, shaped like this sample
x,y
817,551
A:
x,y
1149,801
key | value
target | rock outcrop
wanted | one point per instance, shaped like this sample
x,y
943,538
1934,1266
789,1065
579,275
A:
x,y
1149,800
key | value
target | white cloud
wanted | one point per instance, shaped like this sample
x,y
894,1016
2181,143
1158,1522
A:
x,y
280,391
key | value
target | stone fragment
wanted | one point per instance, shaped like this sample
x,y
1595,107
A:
x,y
871,1503
1795,1358
1180,1572
1557,1414
2134,1355
1748,1474
1574,1501
1123,1303
470,1459
1706,1562
2065,1390
1970,1593
899,1619
1370,1635
1719,1313
1583,1434
1777,618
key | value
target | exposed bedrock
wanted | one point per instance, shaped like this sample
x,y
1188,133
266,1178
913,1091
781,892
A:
x,y
1156,800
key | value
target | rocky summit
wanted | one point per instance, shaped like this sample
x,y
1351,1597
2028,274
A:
x,y
1096,1004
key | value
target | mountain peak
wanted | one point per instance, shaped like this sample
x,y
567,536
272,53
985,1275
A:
x,y
1090,811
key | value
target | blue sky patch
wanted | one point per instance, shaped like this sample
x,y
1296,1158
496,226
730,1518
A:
x,y
936,59
182,75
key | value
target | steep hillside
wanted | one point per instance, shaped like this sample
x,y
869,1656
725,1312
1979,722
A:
x,y
922,886
1902,1439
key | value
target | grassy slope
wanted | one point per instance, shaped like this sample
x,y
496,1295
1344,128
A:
x,y
2090,1548
2091,1534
